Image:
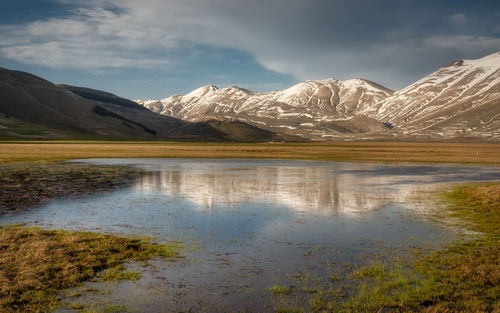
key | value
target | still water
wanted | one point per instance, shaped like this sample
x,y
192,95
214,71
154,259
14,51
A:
x,y
250,224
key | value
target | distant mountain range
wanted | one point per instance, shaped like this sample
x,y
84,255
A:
x,y
460,100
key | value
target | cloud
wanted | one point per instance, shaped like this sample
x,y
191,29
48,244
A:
x,y
392,42
458,19
90,39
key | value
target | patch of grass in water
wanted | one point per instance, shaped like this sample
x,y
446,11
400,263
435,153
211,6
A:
x,y
119,273
373,271
114,308
35,264
280,290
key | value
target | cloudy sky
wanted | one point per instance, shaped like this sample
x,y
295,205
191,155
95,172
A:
x,y
155,48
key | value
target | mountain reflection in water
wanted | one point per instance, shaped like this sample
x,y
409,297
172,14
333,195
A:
x,y
328,189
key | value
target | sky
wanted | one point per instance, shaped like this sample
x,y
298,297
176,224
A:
x,y
151,49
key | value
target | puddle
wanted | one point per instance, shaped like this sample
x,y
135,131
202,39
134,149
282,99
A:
x,y
254,223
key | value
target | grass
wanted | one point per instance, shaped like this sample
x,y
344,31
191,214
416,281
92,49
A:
x,y
119,273
464,277
478,206
338,151
287,310
35,264
27,185
280,290
12,129
114,308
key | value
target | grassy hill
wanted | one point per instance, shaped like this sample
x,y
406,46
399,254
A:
x,y
33,108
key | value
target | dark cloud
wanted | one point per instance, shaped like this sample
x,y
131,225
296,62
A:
x,y
391,42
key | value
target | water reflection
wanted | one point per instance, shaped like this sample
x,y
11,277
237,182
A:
x,y
328,189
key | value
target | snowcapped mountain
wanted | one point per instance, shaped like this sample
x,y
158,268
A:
x,y
313,109
462,99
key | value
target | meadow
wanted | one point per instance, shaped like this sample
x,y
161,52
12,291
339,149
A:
x,y
482,153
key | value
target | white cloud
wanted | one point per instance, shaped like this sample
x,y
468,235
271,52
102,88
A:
x,y
307,39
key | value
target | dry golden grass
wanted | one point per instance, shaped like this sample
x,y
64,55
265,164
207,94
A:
x,y
35,264
353,151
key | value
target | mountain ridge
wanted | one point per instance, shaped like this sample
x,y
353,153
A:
x,y
327,104
461,99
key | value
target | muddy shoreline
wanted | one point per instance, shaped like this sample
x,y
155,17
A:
x,y
26,185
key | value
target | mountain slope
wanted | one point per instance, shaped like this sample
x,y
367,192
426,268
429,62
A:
x,y
28,102
31,99
312,109
101,96
460,99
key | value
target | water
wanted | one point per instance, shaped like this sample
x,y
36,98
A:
x,y
251,224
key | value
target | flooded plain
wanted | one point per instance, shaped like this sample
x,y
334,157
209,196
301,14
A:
x,y
250,224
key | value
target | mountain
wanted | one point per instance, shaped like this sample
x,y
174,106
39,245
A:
x,y
460,100
31,107
102,96
312,109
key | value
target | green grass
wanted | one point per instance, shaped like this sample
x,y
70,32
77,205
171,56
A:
x,y
119,273
280,290
464,277
114,308
478,206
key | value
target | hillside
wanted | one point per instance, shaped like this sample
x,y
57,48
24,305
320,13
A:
x,y
32,107
459,99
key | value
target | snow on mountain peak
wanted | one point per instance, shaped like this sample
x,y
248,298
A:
x,y
489,61
200,92
317,108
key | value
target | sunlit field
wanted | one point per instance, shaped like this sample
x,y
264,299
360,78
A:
x,y
342,151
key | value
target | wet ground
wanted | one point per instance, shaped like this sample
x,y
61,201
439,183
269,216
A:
x,y
252,224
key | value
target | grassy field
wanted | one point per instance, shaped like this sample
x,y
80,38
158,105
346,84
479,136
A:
x,y
340,151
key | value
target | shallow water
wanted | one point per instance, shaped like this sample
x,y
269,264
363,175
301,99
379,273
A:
x,y
254,223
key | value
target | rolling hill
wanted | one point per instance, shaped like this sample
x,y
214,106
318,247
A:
x,y
32,107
